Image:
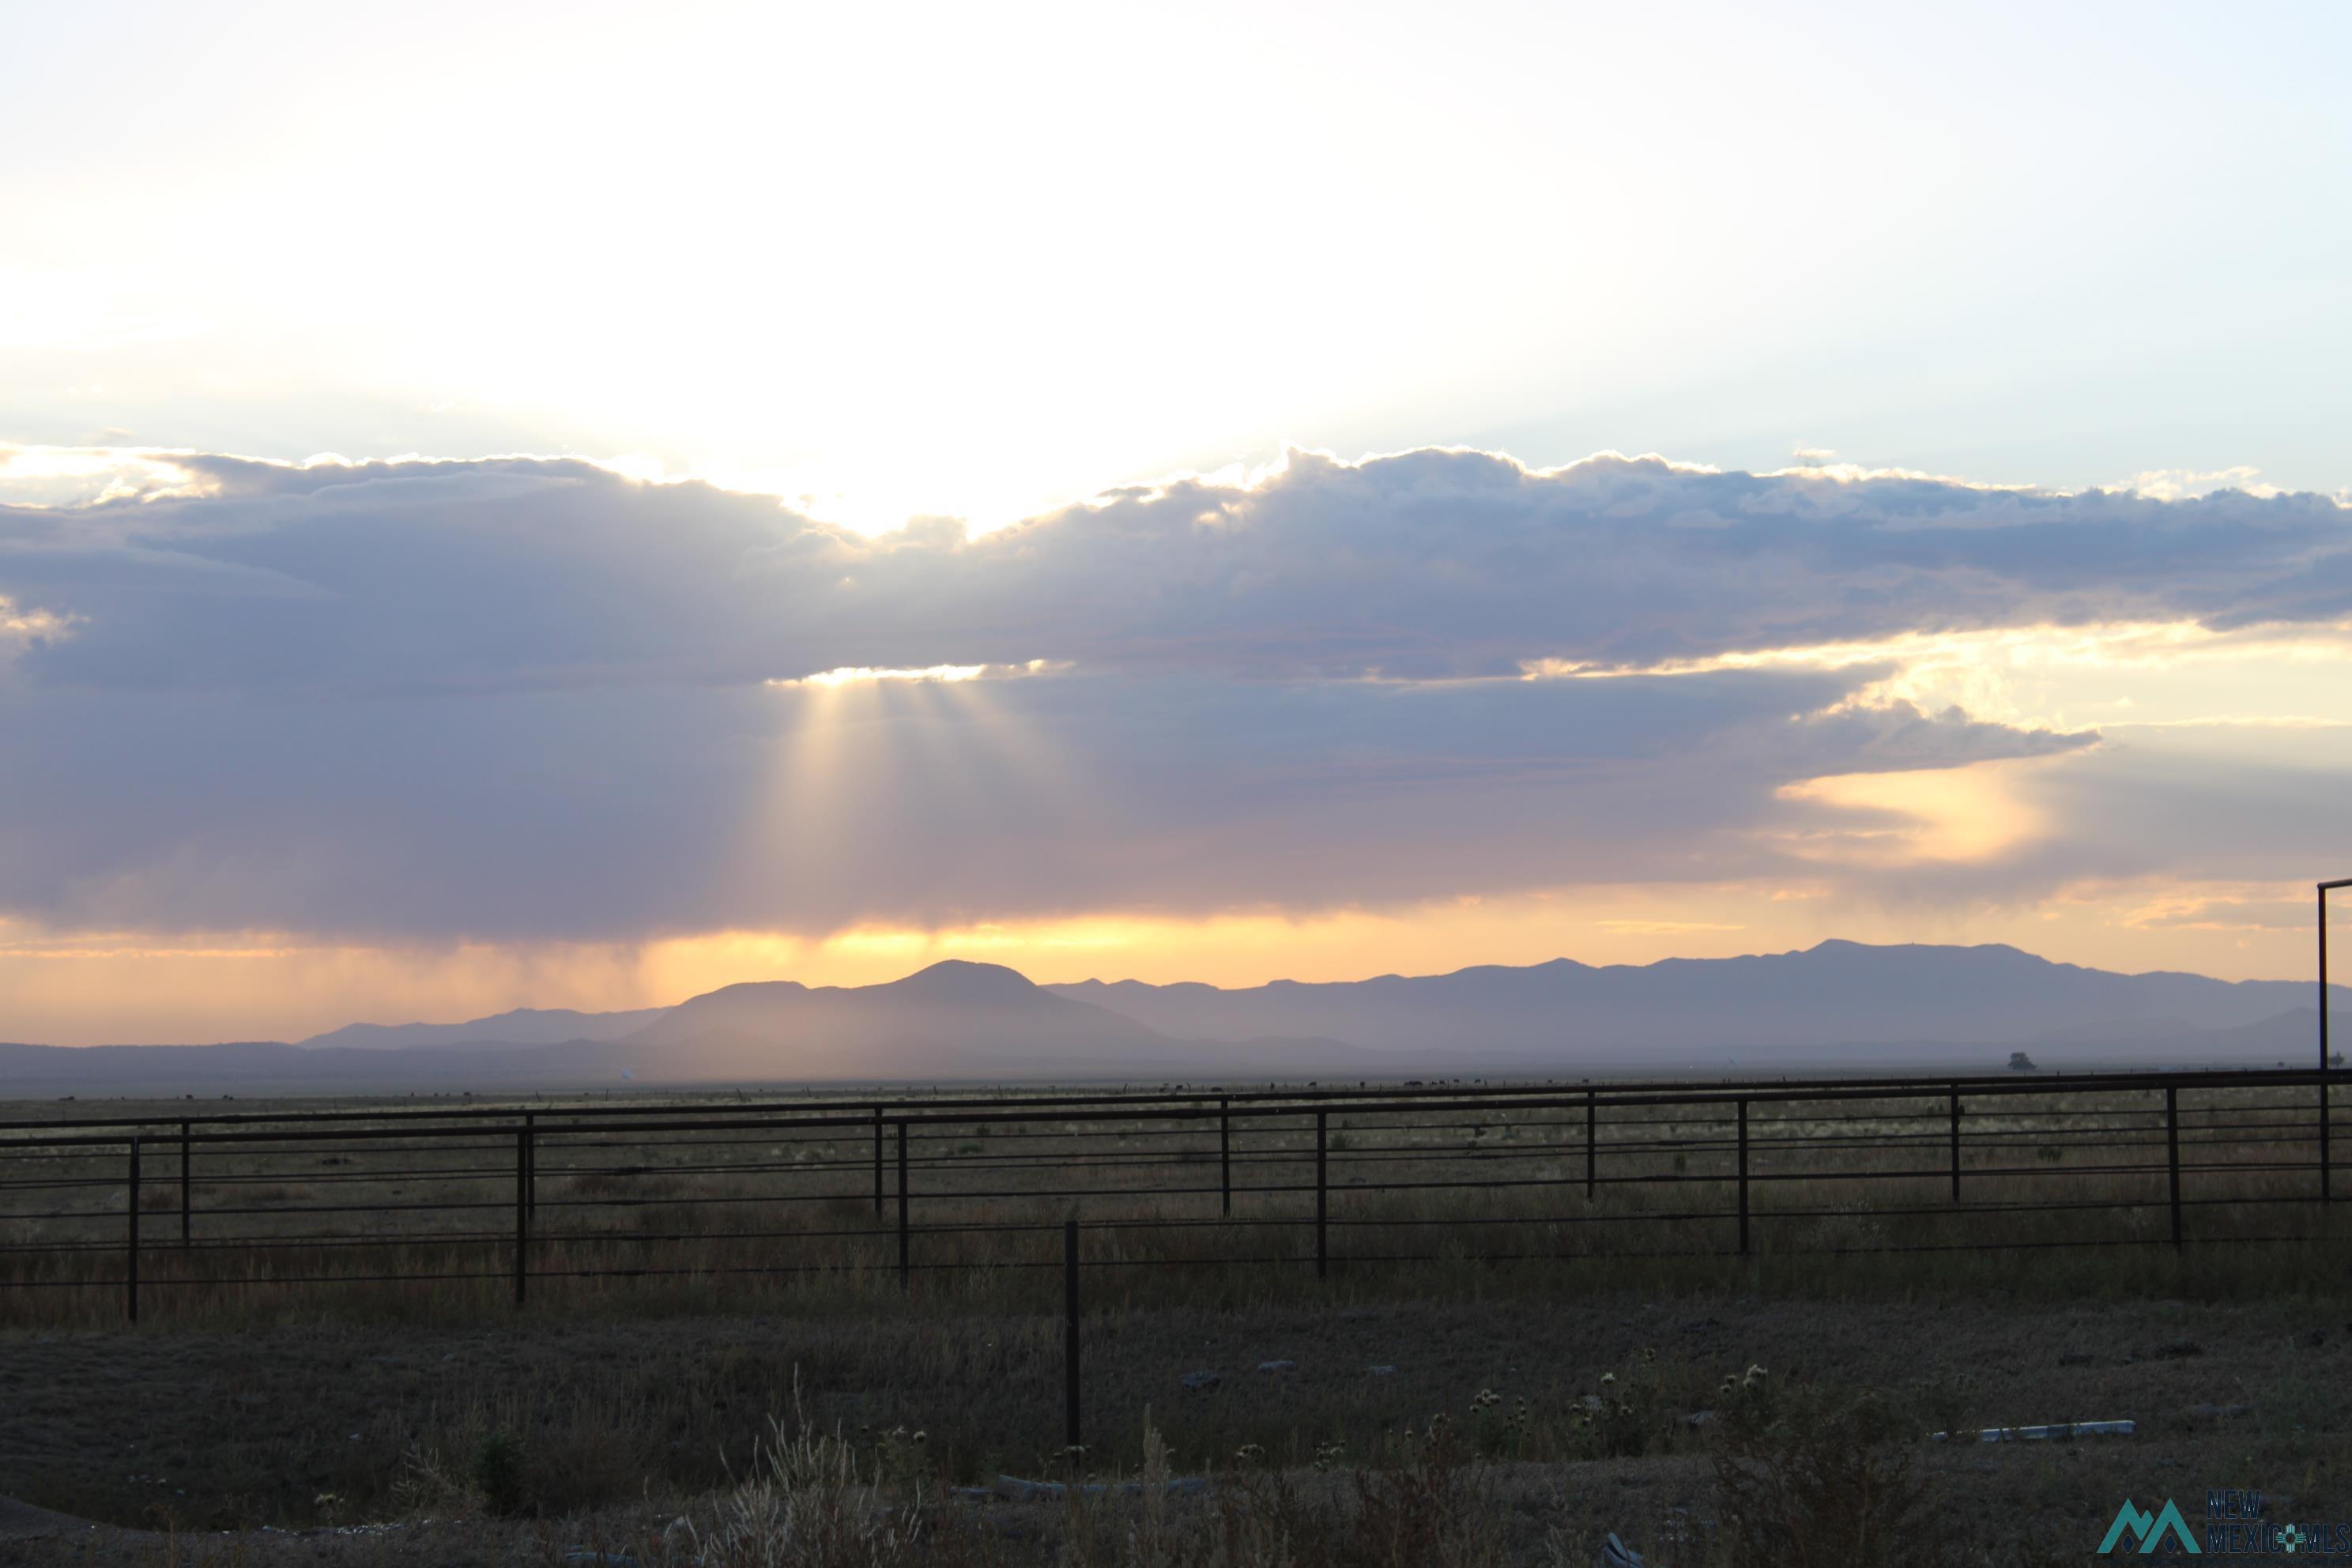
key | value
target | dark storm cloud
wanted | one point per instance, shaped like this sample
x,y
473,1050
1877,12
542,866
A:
x,y
611,813
519,698
514,574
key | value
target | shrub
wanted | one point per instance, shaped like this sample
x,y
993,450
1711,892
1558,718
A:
x,y
1826,1485
498,1473
585,1463
1629,1416
1432,1513
805,1503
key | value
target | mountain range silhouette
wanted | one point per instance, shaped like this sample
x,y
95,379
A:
x,y
1837,1006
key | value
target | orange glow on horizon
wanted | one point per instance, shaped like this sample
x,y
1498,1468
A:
x,y
86,989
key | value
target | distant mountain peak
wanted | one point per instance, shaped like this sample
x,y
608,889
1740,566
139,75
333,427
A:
x,y
964,980
1844,944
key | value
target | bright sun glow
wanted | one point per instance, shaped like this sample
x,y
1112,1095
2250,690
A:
x,y
861,675
1948,815
2124,672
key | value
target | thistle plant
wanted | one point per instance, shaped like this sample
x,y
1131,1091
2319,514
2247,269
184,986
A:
x,y
1626,1417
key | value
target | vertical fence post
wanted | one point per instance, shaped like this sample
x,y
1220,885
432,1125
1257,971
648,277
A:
x,y
1955,1142
522,1213
2327,1187
1322,1198
905,1271
184,1186
1225,1154
877,1162
1070,1336
530,1160
130,1254
1592,1123
2173,1151
1743,1178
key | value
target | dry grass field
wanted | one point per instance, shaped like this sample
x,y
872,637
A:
x,y
293,1383
623,1425
662,1204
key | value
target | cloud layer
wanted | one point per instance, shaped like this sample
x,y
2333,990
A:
x,y
517,573
520,698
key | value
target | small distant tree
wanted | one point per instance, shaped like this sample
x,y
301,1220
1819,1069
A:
x,y
498,1473
2019,1062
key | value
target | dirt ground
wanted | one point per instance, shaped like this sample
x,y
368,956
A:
x,y
348,1442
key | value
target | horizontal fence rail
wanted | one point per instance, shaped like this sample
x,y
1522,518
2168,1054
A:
x,y
515,1200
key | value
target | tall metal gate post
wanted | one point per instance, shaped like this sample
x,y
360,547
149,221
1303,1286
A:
x,y
877,1162
2326,1154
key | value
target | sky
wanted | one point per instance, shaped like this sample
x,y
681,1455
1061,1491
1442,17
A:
x,y
571,506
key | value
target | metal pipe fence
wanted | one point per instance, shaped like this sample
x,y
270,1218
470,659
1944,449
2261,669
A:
x,y
549,1196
